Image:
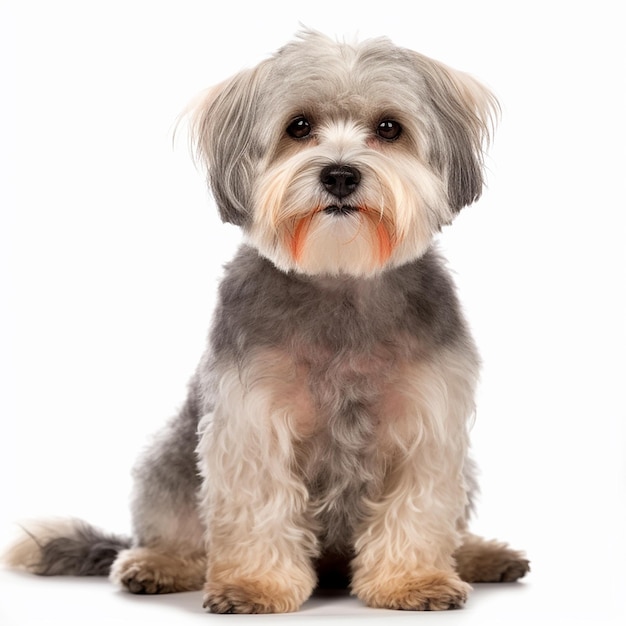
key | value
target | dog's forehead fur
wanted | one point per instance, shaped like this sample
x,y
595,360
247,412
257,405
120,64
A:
x,y
317,74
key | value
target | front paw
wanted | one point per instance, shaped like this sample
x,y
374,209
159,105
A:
x,y
434,591
265,595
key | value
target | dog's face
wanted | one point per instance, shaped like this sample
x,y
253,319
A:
x,y
343,159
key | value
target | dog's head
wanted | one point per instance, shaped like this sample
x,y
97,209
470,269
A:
x,y
343,159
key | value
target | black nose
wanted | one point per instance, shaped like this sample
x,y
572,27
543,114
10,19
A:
x,y
340,180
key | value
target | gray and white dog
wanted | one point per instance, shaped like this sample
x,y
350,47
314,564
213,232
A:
x,y
325,435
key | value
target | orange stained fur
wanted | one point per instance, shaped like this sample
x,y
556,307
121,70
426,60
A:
x,y
383,229
299,235
385,247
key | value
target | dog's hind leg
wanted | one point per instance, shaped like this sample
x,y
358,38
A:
x,y
481,561
167,553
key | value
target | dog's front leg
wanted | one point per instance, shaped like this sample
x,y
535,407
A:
x,y
259,544
404,555
404,549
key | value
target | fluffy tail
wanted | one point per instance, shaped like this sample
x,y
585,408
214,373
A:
x,y
64,547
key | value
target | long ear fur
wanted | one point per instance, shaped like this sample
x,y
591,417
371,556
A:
x,y
466,112
222,134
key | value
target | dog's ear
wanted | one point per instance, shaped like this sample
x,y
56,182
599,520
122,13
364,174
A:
x,y
224,137
465,113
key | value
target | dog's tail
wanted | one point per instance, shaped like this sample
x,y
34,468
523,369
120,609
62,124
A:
x,y
67,547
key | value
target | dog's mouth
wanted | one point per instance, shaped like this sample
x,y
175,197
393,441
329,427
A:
x,y
345,209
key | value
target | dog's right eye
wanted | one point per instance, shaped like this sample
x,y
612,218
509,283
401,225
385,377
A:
x,y
299,127
389,130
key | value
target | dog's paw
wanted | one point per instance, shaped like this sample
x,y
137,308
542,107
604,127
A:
x,y
508,570
437,591
140,579
480,561
251,597
143,571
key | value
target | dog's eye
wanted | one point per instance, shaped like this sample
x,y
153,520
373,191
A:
x,y
389,130
299,127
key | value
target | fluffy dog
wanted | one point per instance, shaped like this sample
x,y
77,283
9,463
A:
x,y
325,435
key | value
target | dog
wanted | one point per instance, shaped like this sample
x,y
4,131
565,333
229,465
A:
x,y
324,439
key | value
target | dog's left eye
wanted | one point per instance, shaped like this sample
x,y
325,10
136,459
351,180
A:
x,y
299,128
389,130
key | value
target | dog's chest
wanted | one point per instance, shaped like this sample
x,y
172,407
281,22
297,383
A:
x,y
339,453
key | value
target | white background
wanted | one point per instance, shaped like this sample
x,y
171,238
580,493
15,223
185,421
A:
x,y
111,251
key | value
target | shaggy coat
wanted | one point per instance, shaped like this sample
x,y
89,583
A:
x,y
324,439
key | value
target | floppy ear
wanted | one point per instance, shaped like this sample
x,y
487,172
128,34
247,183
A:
x,y
223,135
466,112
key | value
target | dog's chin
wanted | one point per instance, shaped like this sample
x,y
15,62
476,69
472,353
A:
x,y
337,240
340,239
